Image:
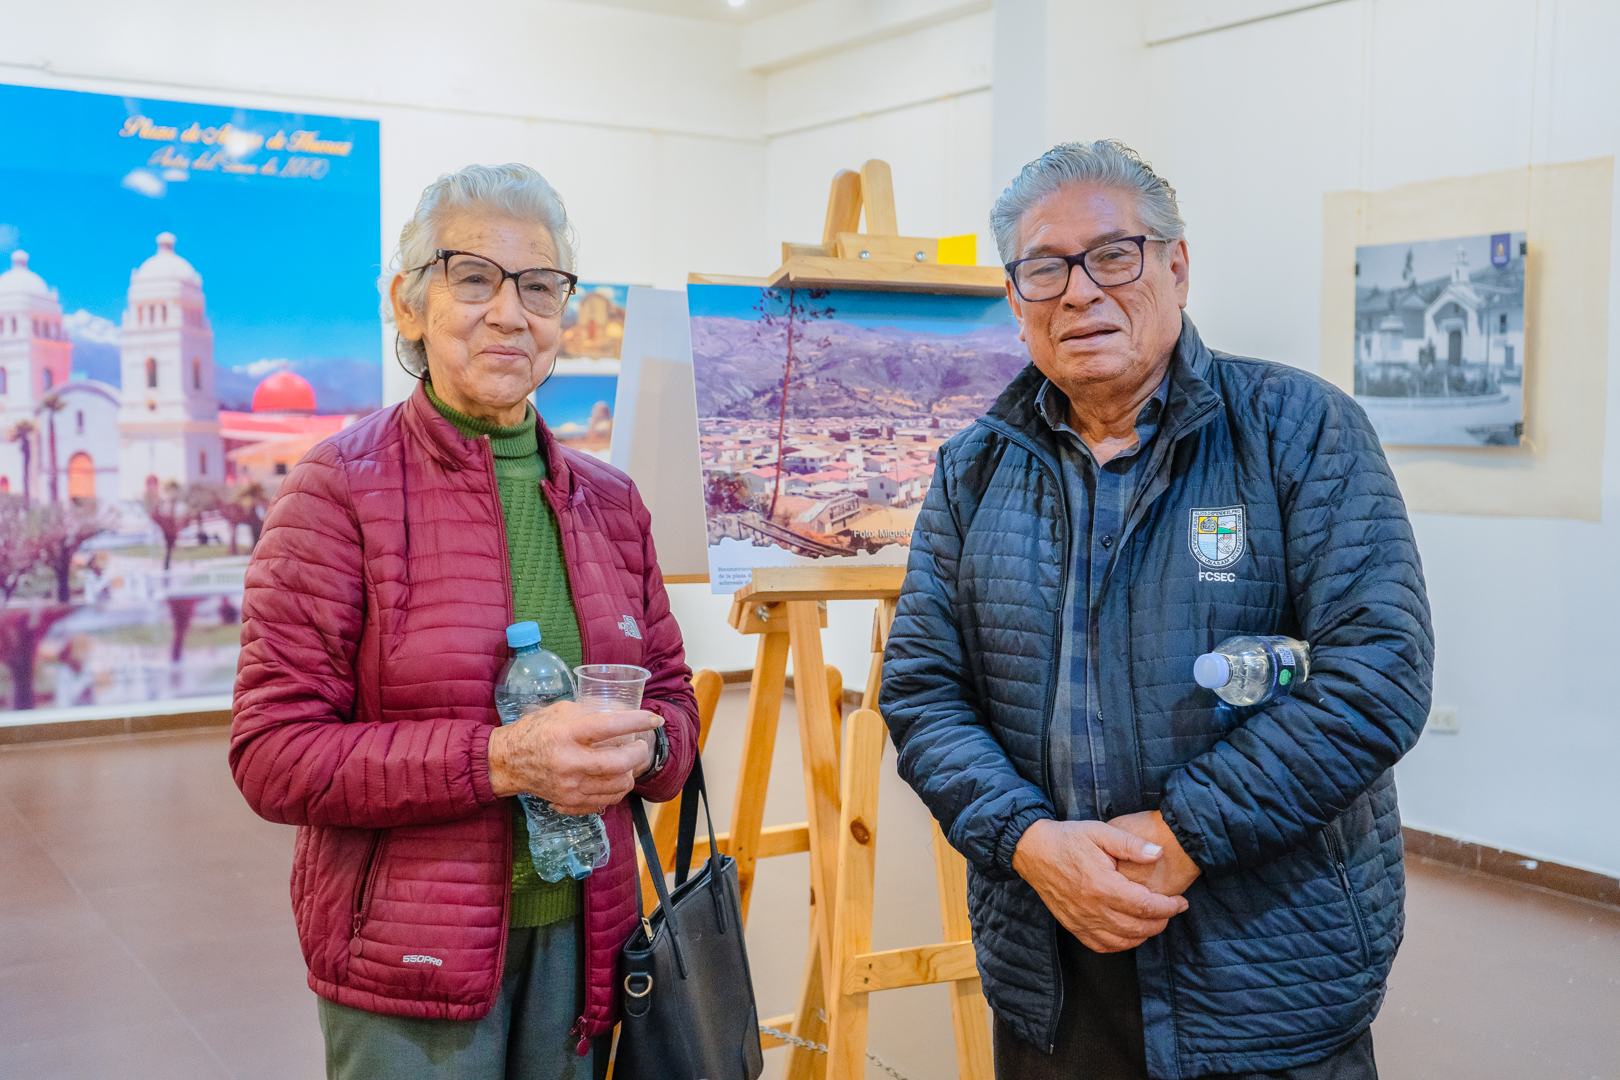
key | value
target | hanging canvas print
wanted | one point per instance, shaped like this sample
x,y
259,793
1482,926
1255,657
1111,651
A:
x,y
578,408
1440,340
577,400
821,414
593,322
188,305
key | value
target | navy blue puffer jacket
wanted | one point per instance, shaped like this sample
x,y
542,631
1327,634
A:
x,y
1289,808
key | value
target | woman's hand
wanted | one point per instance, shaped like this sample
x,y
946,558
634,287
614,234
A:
x,y
554,753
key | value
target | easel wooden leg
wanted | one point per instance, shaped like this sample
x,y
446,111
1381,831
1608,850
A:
x,y
882,619
820,760
835,706
759,744
852,916
970,1016
803,1064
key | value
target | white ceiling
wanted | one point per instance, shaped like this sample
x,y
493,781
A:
x,y
706,9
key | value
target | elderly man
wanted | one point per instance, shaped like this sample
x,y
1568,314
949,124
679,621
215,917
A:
x,y
1162,885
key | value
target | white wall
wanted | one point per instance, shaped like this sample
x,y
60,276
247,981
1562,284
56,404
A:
x,y
684,144
1253,124
907,82
647,124
919,100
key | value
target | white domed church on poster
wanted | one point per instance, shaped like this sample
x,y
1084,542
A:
x,y
81,438
168,417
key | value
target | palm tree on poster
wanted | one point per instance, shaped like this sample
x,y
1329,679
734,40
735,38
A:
x,y
50,405
782,317
22,433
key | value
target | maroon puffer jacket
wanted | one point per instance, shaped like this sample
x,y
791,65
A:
x,y
373,630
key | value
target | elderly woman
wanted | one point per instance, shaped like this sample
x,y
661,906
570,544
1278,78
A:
x,y
393,559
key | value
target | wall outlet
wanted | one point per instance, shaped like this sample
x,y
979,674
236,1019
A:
x,y
1444,721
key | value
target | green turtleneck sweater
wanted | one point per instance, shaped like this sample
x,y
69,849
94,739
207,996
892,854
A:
x,y
540,592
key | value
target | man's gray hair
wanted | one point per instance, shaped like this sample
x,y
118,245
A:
x,y
1108,162
511,191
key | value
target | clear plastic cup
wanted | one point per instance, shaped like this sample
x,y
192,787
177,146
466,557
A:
x,y
603,688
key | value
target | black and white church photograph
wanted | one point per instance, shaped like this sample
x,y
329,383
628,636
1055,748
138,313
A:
x,y
1440,340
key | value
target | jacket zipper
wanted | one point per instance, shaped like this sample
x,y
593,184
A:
x,y
585,651
563,537
1019,438
1336,851
511,614
1050,697
365,885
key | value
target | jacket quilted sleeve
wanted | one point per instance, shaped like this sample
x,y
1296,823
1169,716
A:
x,y
294,752
669,691
1357,591
947,753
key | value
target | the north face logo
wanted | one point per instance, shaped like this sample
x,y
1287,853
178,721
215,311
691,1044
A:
x,y
628,625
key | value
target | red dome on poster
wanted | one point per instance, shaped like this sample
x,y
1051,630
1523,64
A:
x,y
284,392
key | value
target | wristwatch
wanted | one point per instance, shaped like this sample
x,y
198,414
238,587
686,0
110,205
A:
x,y
660,754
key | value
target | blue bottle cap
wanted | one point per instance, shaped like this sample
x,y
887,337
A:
x,y
1212,671
521,635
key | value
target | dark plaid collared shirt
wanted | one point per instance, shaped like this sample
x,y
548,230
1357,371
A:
x,y
1100,497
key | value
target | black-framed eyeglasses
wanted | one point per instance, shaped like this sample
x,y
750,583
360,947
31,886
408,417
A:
x,y
1046,277
475,279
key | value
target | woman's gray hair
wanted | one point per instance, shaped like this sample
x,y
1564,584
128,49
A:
x,y
512,191
1108,162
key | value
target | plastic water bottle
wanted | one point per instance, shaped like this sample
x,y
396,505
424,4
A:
x,y
1248,670
561,845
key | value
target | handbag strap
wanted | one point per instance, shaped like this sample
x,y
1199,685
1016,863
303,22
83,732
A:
x,y
638,814
687,833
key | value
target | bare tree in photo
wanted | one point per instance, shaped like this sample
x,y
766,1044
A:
x,y
174,508
23,625
19,550
786,323
726,494
21,631
243,504
60,530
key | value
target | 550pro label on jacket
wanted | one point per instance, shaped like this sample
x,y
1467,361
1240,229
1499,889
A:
x,y
1215,536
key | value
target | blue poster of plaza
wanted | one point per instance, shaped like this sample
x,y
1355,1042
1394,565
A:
x,y
188,304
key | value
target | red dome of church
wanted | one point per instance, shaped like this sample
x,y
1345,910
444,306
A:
x,y
284,392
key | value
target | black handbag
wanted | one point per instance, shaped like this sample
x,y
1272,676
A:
x,y
689,1009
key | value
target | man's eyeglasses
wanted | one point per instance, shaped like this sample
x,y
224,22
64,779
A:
x,y
1110,265
475,279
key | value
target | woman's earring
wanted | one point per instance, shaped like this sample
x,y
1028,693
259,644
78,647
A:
x,y
550,373
401,359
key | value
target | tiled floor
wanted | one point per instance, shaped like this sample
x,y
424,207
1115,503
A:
x,y
145,931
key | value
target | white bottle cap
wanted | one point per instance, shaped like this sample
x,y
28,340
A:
x,y
1212,671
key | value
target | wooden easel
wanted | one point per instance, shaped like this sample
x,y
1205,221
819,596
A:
x,y
786,607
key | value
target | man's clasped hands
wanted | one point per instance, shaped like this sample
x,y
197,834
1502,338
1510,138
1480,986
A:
x,y
1112,884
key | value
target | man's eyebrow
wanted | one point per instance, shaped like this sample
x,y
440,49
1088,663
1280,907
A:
x,y
1108,237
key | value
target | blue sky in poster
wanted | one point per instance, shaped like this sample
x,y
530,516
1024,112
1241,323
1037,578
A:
x,y
567,399
289,262
925,312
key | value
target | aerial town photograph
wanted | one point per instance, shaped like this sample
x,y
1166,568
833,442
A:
x,y
821,414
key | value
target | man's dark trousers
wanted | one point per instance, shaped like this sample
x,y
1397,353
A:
x,y
1100,1035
